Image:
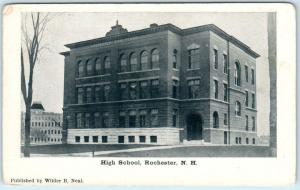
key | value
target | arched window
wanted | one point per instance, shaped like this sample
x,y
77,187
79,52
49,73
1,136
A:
x,y
144,60
106,65
215,120
237,108
154,59
123,63
253,141
98,66
237,74
80,69
89,67
133,62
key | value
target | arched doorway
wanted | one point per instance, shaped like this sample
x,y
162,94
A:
x,y
194,127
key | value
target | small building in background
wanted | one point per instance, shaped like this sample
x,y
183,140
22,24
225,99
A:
x,y
45,127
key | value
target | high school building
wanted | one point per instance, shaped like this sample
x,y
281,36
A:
x,y
160,85
45,127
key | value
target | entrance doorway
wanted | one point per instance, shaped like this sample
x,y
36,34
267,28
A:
x,y
194,127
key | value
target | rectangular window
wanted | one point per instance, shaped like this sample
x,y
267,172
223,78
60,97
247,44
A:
x,y
225,119
253,124
247,98
153,139
123,91
95,139
194,88
132,91
154,117
98,66
142,139
246,73
175,89
154,88
194,58
247,123
97,94
80,95
79,120
215,59
77,139
132,119
87,120
253,100
120,139
225,93
131,139
144,89
97,121
86,138
143,114
174,60
106,93
216,91
104,139
225,64
89,97
122,119
174,118
107,65
252,76
105,120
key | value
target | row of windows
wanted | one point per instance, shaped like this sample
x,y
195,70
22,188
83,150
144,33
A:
x,y
216,119
36,117
100,67
139,90
216,61
93,94
45,139
216,91
46,124
132,64
126,119
238,140
237,74
135,90
121,139
48,131
247,99
94,67
247,123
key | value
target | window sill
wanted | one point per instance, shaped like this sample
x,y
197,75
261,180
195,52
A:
x,y
195,69
94,76
139,71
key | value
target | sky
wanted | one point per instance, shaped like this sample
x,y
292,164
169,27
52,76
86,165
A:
x,y
64,28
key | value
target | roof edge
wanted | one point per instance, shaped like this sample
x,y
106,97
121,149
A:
x,y
164,27
65,53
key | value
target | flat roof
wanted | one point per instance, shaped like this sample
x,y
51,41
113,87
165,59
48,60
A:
x,y
164,27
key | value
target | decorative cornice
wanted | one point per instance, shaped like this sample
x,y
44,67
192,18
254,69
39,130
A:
x,y
165,27
65,53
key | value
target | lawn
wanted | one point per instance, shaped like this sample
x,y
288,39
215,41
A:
x,y
78,148
199,151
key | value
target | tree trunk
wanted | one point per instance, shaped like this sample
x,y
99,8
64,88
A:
x,y
27,131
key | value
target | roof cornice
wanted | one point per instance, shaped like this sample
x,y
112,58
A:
x,y
164,27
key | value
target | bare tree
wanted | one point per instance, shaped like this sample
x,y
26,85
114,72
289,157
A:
x,y
33,28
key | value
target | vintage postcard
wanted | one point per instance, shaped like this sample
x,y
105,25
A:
x,y
149,94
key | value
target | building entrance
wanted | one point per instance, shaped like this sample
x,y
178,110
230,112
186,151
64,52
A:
x,y
194,127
